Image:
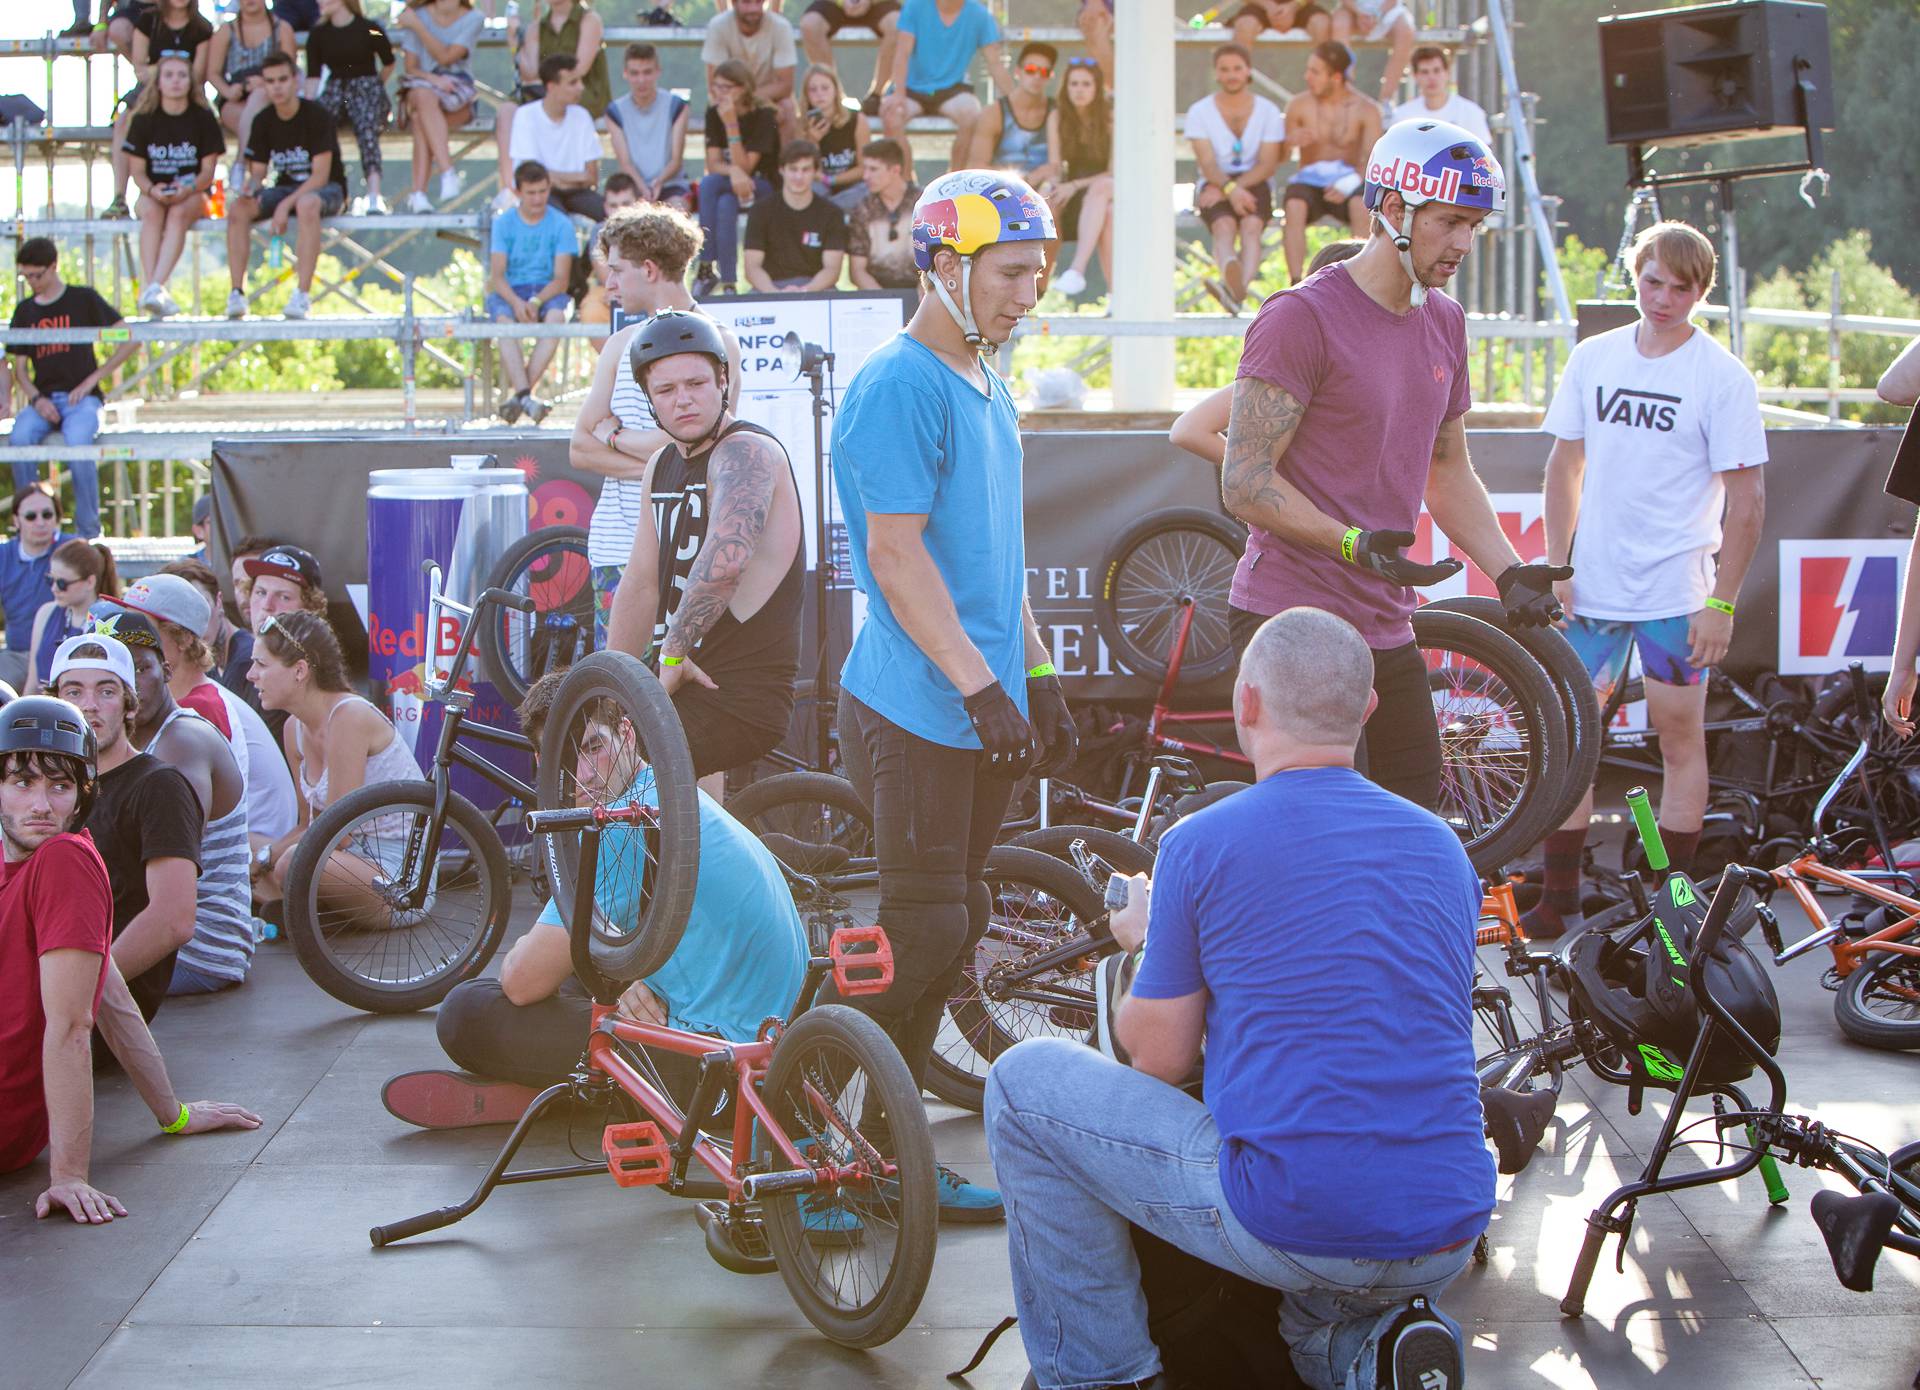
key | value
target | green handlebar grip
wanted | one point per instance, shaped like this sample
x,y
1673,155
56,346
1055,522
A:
x,y
1770,1173
1643,821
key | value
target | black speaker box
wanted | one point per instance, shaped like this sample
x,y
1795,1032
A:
x,y
1714,72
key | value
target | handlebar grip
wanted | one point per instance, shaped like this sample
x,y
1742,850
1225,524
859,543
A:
x,y
520,603
1718,911
414,1225
1642,807
1576,1300
1862,697
566,818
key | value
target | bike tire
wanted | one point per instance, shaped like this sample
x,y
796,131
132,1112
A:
x,y
1502,801
1181,550
1122,854
811,808
902,1212
658,866
1878,1005
436,956
1586,737
549,565
977,1030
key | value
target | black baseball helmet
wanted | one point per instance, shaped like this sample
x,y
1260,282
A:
x,y
43,724
670,333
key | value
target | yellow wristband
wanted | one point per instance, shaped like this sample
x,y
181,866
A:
x,y
1347,543
179,1123
1720,605
1045,668
671,660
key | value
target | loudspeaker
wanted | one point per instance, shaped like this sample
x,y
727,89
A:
x,y
1714,72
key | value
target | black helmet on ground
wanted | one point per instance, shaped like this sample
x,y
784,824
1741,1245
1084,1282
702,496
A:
x,y
43,724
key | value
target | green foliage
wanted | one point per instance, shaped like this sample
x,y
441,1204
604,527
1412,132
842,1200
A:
x,y
1799,357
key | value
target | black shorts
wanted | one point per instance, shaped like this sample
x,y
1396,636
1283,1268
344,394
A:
x,y
130,10
332,198
1300,16
837,18
1319,205
931,102
1262,205
724,733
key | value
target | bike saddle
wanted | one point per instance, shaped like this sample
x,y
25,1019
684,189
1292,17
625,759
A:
x,y
804,857
1516,1122
1855,1228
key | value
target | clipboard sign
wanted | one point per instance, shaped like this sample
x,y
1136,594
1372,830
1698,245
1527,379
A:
x,y
1903,479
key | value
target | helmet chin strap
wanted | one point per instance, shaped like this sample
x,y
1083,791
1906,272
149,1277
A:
x,y
975,339
1403,243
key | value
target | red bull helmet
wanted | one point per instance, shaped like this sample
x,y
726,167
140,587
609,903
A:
x,y
968,211
1430,162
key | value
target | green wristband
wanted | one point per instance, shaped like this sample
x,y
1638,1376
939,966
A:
x,y
179,1123
1720,605
1045,668
671,660
1348,542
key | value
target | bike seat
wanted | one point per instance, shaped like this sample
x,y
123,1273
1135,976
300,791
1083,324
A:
x,y
1516,1122
804,857
1855,1228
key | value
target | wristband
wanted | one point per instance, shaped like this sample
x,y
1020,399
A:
x,y
180,1122
671,660
1347,543
1720,605
1045,668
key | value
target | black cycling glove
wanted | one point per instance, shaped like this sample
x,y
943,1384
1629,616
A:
x,y
1005,736
1053,731
1526,592
1379,551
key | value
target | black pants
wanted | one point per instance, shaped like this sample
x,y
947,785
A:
x,y
936,813
1399,747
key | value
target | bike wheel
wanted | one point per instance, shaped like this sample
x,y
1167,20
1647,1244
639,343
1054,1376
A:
x,y
1165,557
550,567
382,919
834,1079
1586,737
1122,855
1038,903
1878,1005
612,740
1503,737
808,819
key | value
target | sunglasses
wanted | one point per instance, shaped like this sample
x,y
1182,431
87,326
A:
x,y
62,585
1036,69
1083,62
37,516
272,623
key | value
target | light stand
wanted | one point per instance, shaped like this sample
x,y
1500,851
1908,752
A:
x,y
815,363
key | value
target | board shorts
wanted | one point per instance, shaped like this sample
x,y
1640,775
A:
x,y
1602,646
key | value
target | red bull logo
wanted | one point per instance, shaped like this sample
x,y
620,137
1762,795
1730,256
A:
x,y
1487,171
1410,178
940,221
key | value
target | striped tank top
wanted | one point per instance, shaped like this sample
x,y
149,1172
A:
x,y
222,944
623,501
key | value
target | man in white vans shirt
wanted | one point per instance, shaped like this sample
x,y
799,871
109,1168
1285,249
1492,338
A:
x,y
1437,101
1657,435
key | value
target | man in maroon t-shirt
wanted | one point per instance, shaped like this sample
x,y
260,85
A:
x,y
56,921
1349,412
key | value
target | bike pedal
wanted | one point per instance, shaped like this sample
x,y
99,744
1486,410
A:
x,y
637,1154
862,959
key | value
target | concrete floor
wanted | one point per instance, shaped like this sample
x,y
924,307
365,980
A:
x,y
245,1261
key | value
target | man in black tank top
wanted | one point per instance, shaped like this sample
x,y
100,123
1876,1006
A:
x,y
719,558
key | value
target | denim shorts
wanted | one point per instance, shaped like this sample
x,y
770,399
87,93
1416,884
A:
x,y
502,312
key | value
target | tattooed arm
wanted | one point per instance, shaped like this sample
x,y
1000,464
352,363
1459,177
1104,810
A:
x,y
1459,503
741,480
1259,431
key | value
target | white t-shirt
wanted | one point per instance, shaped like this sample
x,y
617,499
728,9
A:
x,y
623,501
1236,154
1468,115
1659,432
564,146
770,48
272,808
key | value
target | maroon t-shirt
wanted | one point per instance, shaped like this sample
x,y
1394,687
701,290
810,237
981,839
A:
x,y
55,899
1377,387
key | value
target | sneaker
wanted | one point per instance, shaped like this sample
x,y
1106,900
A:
x,y
870,104
419,202
512,408
504,199
536,408
376,206
163,305
1219,291
1542,923
236,304
965,1203
117,208
1420,1352
1071,283
145,301
1234,276
298,304
827,1221
450,184
358,207
705,276
454,1099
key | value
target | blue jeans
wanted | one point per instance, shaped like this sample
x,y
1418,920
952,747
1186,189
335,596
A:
x,y
79,426
720,220
187,980
1082,1146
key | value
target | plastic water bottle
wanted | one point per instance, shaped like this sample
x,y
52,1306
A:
x,y
217,199
275,249
1204,18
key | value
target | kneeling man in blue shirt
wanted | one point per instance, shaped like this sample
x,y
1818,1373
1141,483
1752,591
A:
x,y
1318,933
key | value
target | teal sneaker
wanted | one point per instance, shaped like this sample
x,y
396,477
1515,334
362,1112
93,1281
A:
x,y
825,1218
965,1203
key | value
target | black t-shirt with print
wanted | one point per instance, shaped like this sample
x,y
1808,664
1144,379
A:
x,y
170,40
289,147
759,134
62,366
795,240
173,146
144,810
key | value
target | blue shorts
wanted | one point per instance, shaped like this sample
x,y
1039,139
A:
x,y
500,311
1603,646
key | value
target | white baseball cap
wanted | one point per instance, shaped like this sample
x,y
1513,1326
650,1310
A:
x,y
117,661
169,598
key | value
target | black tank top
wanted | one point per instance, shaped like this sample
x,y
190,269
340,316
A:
x,y
761,656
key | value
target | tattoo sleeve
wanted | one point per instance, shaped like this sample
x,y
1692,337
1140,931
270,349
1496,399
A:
x,y
741,482
1261,425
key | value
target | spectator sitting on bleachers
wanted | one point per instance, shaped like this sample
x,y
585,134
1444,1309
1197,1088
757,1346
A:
x,y
531,261
796,240
589,285
176,143
1095,22
880,229
1237,138
349,59
81,574
1379,21
436,39
557,133
1331,127
1080,136
764,43
296,141
824,19
1011,134
172,28
61,385
117,27
1281,16
841,132
932,67
1437,101
25,575
570,29
234,57
743,147
650,131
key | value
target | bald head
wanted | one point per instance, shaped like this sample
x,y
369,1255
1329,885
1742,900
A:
x,y
1314,673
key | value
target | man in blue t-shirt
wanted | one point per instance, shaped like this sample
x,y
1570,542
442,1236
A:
x,y
1318,932
932,63
531,262
947,670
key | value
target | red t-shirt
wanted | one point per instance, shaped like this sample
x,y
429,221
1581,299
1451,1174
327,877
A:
x,y
204,700
56,898
1377,387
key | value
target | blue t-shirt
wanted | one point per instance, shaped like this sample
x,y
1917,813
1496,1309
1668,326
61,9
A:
x,y
1332,925
25,585
915,437
530,249
942,52
744,951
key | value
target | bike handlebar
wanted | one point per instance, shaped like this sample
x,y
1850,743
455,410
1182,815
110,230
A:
x,y
436,598
1719,911
1642,807
1862,697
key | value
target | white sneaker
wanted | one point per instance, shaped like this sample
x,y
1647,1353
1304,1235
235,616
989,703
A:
x,y
145,301
505,199
450,185
376,206
298,304
163,305
236,304
419,202
1071,283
